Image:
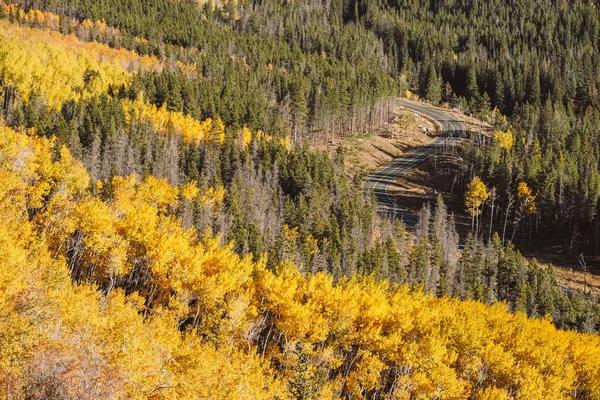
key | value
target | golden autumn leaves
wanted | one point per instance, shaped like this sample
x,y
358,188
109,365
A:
x,y
55,65
475,195
103,294
162,120
62,67
106,295
477,192
92,345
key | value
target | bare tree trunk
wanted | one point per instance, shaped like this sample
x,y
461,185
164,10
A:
x,y
512,237
508,207
493,196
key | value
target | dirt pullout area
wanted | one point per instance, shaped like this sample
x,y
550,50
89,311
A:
x,y
470,123
376,149
436,176
577,279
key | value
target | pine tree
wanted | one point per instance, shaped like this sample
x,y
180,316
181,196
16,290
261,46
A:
x,y
433,90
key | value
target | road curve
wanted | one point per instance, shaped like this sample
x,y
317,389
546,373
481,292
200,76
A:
x,y
381,181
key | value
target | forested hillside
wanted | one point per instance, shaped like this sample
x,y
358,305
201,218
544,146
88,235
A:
x,y
315,69
535,62
107,296
170,233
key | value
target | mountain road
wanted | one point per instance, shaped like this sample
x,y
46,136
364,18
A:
x,y
383,180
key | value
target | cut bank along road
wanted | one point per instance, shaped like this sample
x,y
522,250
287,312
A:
x,y
381,181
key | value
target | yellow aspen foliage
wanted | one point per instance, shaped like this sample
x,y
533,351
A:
x,y
212,197
475,195
290,234
89,345
88,30
217,133
156,193
505,139
53,220
244,138
18,288
285,142
220,282
190,190
500,120
61,67
494,393
169,122
526,197
189,70
261,135
311,245
367,373
110,297
40,18
103,247
284,293
95,29
224,374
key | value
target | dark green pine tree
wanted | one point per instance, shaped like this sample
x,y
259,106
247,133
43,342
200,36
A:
x,y
433,91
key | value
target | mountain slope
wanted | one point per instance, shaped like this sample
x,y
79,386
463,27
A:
x,y
157,314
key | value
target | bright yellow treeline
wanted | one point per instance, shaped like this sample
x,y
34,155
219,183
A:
x,y
162,120
91,30
201,322
61,67
42,18
49,20
192,130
